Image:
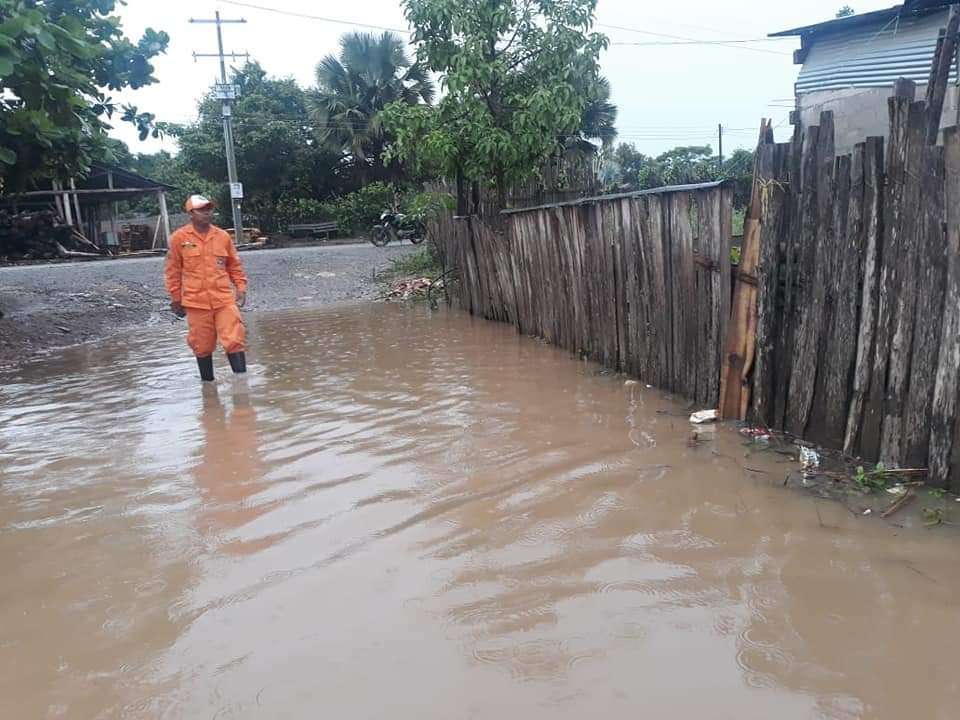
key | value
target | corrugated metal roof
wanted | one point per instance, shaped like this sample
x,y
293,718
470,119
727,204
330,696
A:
x,y
853,21
846,23
620,196
874,54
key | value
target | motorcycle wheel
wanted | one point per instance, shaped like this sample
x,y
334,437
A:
x,y
420,235
379,236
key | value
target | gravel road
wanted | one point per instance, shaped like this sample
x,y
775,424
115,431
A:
x,y
50,306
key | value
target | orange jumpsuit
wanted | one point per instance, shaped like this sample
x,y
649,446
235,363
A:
x,y
199,272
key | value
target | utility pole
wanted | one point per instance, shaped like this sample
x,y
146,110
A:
x,y
228,93
720,140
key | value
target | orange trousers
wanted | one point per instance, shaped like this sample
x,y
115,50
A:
x,y
206,326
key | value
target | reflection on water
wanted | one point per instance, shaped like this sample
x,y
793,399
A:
x,y
424,516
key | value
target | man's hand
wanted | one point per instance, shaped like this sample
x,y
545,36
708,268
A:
x,y
177,309
241,299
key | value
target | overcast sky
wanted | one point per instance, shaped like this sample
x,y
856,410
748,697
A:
x,y
667,94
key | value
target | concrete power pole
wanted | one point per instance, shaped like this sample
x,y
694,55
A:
x,y
228,93
720,140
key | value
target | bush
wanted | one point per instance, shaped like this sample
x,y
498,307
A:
x,y
359,211
426,206
299,210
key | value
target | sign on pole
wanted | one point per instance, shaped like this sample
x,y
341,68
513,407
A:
x,y
236,191
226,92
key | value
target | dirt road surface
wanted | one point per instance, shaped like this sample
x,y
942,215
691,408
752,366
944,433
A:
x,y
50,306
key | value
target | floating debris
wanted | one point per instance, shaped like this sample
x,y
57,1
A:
x,y
405,289
759,434
703,416
809,458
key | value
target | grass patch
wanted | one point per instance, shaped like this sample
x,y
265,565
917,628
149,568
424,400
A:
x,y
421,263
739,218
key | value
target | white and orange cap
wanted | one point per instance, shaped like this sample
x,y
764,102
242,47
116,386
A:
x,y
198,202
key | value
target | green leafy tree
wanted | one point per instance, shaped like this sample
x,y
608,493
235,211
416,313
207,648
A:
x,y
353,88
629,169
59,59
846,11
518,75
280,156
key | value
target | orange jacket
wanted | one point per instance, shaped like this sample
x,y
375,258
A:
x,y
200,268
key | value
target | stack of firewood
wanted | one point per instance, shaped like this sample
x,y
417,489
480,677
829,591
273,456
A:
x,y
40,236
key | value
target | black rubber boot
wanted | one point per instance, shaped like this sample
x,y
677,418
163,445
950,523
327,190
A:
x,y
238,362
206,368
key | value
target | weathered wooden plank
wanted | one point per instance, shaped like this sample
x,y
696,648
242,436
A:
x,y
824,273
803,374
661,253
618,262
739,339
658,301
790,252
869,238
773,172
940,74
575,220
887,297
708,290
840,347
631,291
608,293
726,291
685,293
943,414
891,435
928,323
642,291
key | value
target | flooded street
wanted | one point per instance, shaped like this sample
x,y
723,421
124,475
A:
x,y
420,515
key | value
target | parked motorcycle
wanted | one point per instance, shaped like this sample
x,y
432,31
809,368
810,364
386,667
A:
x,y
397,226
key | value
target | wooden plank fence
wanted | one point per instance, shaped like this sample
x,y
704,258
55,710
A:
x,y
859,297
854,260
637,282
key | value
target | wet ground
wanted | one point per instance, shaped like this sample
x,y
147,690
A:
x,y
413,515
57,305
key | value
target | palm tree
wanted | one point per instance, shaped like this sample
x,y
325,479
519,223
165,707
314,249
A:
x,y
598,121
370,72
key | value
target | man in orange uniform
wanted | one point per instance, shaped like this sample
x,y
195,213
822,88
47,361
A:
x,y
202,263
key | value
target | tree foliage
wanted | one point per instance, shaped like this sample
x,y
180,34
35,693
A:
x,y
518,75
846,11
279,152
629,169
353,88
59,59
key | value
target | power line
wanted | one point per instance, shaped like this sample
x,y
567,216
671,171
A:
x,y
682,40
306,16
687,39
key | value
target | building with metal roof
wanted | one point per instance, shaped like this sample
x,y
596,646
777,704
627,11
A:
x,y
91,204
850,64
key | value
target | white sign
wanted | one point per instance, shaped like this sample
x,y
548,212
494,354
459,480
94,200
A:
x,y
236,191
226,92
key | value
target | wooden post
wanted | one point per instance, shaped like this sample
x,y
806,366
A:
x,y
67,212
76,203
114,210
739,343
943,414
58,201
940,75
165,217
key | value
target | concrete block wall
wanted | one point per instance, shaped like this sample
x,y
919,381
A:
x,y
859,113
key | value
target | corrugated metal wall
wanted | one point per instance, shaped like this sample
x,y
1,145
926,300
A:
x,y
874,55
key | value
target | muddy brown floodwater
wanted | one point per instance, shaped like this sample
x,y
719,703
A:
x,y
415,515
